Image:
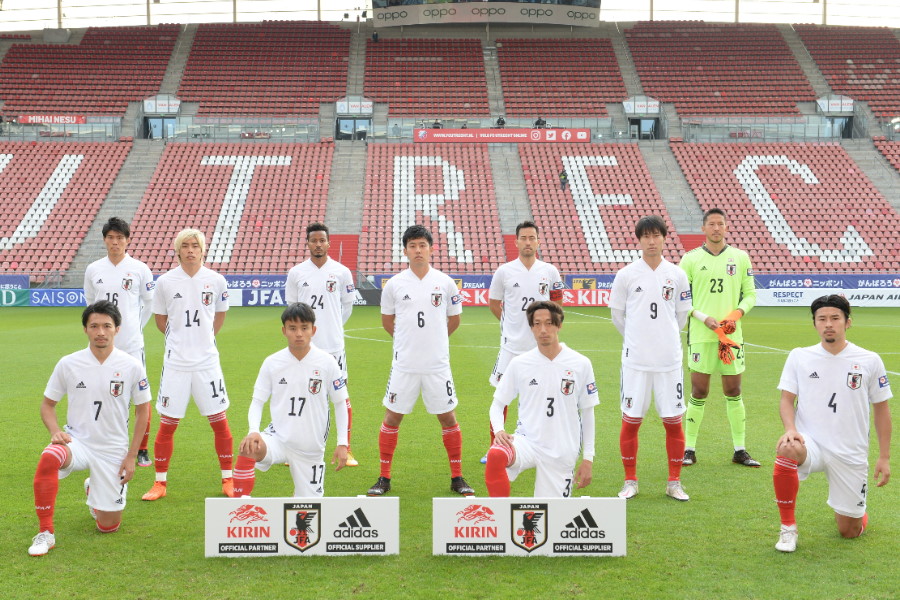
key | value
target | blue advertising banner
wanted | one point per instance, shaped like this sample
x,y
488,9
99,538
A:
x,y
58,297
248,282
801,290
14,282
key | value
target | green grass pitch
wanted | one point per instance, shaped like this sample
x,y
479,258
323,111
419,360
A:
x,y
719,545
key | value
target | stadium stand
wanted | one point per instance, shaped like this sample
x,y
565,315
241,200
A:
x,y
49,195
274,68
559,77
589,226
718,68
890,150
427,77
449,188
251,201
111,67
795,207
860,62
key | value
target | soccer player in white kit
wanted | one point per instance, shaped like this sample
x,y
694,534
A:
x,y
557,394
101,383
190,304
127,283
327,286
301,381
650,302
420,309
826,394
514,286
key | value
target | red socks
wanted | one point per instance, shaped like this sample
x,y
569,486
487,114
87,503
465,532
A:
x,y
146,439
349,423
628,445
244,476
787,483
46,484
495,476
453,443
165,443
387,443
674,446
223,440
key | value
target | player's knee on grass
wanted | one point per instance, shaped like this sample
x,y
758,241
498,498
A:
x,y
107,521
848,527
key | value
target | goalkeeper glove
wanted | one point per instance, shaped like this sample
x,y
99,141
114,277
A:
x,y
730,320
726,355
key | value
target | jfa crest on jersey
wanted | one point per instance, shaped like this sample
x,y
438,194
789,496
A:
x,y
854,378
315,385
668,291
206,298
116,387
127,282
543,288
567,386
731,268
331,285
436,298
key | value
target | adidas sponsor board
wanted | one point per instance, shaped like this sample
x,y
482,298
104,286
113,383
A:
x,y
529,526
238,527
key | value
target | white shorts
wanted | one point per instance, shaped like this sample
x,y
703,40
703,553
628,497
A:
x,y
341,358
503,358
308,473
438,392
176,388
107,491
666,389
847,483
553,476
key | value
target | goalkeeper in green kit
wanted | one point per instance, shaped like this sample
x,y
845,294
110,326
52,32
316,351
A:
x,y
723,291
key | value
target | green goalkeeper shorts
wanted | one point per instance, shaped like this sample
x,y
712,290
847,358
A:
x,y
704,358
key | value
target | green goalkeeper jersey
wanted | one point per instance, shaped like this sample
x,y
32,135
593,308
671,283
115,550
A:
x,y
719,284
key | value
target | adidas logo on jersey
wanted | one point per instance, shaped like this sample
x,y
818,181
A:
x,y
176,296
703,268
515,285
305,284
283,381
406,297
80,386
533,382
99,281
813,375
583,526
638,290
356,526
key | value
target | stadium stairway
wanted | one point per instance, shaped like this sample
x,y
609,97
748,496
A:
x,y
344,212
178,60
509,186
810,69
623,57
356,63
122,201
492,77
683,207
876,167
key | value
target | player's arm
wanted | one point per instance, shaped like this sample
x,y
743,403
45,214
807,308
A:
x,y
501,438
148,286
882,417
262,391
341,425
585,472
89,290
617,299
748,288
788,413
162,322
496,307
291,294
387,321
48,416
141,418
218,321
453,324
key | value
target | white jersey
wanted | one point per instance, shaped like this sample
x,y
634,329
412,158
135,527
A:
x,y
421,308
518,286
652,299
551,395
833,396
191,304
300,391
99,397
329,290
129,285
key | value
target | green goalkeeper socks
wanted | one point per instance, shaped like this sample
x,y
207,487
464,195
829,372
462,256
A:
x,y
692,421
737,418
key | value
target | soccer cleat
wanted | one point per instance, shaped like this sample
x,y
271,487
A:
x,y
42,543
381,487
156,492
143,459
690,458
351,460
461,486
674,490
865,523
483,459
629,490
787,539
87,492
228,487
742,457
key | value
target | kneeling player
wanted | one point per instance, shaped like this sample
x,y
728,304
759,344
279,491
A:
x,y
833,384
101,382
300,380
557,394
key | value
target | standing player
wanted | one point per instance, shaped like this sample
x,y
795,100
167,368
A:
x,y
101,382
723,291
127,283
833,384
557,395
420,309
327,286
650,302
301,380
190,304
514,286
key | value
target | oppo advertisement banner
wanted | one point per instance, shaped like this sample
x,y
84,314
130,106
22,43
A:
x,y
488,136
529,526
487,12
302,526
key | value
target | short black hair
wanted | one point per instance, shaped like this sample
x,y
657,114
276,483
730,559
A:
x,y
713,211
298,311
527,225
417,232
650,224
312,227
102,307
556,312
832,301
118,225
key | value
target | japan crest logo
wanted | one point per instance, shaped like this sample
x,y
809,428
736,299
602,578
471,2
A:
x,y
301,525
116,388
436,299
528,532
854,380
206,298
315,385
731,268
127,283
566,386
330,285
543,288
668,292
